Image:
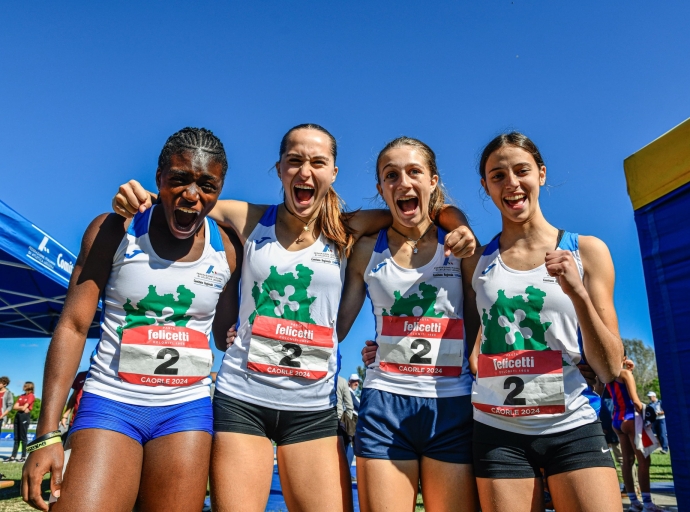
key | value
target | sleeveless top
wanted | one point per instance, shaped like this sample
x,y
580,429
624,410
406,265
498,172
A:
x,y
623,407
419,326
527,380
286,354
156,321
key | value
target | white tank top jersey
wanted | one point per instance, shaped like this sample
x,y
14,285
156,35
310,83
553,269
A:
x,y
527,380
156,321
285,355
419,326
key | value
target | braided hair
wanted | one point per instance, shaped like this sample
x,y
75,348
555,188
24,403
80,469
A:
x,y
194,140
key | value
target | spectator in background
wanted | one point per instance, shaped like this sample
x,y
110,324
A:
x,y
24,405
6,400
344,410
353,384
73,403
659,426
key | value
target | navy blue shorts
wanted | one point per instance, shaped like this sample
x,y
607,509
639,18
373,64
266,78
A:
x,y
400,427
141,422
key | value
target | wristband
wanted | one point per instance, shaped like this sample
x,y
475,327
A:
x,y
42,444
45,437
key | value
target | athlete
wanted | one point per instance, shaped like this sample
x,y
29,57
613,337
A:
x,y
142,438
277,381
626,402
415,417
542,299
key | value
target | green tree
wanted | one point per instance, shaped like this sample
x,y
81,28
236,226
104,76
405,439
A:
x,y
36,410
645,372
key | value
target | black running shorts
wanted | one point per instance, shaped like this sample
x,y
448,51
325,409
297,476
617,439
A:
x,y
501,454
283,427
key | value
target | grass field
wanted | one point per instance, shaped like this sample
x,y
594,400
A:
x,y
11,502
659,471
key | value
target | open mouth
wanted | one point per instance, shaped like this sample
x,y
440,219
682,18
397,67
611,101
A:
x,y
516,201
185,217
303,193
408,205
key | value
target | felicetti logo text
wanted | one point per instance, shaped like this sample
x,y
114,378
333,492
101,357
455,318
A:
x,y
522,362
167,335
287,330
422,327
65,264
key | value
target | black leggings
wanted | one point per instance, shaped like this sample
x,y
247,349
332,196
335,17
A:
x,y
21,432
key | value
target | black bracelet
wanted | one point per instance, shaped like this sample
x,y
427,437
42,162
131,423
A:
x,y
45,437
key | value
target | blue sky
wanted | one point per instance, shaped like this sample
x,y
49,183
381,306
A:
x,y
90,91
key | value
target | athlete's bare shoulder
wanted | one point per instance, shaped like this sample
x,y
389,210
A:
x,y
233,248
596,257
593,247
105,231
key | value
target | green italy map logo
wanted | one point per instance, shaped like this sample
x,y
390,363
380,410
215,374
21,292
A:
x,y
284,295
415,304
514,323
155,309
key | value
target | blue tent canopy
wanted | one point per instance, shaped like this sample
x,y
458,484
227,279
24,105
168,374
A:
x,y
34,274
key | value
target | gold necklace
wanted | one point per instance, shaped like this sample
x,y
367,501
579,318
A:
x,y
412,241
300,238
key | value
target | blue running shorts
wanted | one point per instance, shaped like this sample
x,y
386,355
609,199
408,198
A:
x,y
400,427
140,422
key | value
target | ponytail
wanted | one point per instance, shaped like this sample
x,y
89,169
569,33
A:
x,y
332,222
437,200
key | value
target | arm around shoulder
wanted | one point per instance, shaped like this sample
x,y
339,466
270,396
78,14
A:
x,y
354,290
470,314
238,215
227,308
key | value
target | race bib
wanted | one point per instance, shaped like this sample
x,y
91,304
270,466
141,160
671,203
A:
x,y
164,355
520,383
421,345
289,348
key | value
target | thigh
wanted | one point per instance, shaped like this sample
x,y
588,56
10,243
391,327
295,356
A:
x,y
511,494
387,485
175,472
241,472
312,476
103,473
586,490
448,487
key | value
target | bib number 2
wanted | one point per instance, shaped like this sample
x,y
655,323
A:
x,y
292,359
164,355
420,345
288,348
520,383
165,368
